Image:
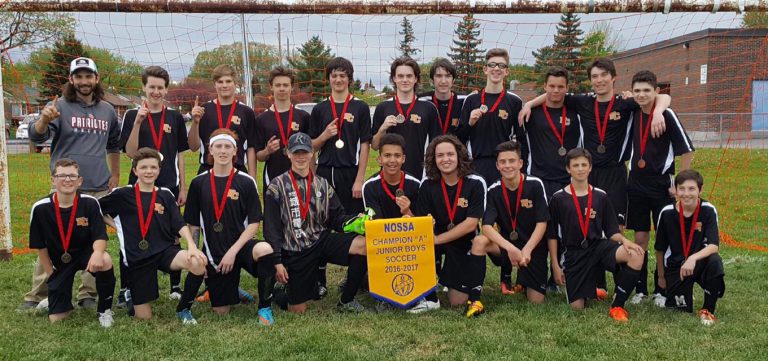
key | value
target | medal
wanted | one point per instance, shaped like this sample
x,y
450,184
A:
x,y
641,163
303,206
513,236
561,135
561,151
218,227
583,222
584,244
452,210
602,126
687,242
444,125
450,226
601,148
157,138
339,119
644,135
399,193
339,144
218,209
144,225
231,113
283,136
484,108
65,238
400,118
143,245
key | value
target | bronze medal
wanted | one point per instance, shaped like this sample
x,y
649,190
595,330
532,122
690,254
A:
x,y
450,226
339,144
561,151
399,193
218,227
641,163
513,236
484,108
66,257
601,148
143,245
400,118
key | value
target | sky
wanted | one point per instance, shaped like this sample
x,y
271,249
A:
x,y
369,41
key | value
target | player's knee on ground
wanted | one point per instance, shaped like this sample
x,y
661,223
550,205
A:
x,y
261,249
479,245
56,317
300,308
142,312
534,296
358,246
457,298
578,305
223,310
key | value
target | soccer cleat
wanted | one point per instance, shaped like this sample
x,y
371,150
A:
x,y
638,298
351,306
423,306
357,224
87,303
245,297
121,303
280,295
27,306
602,294
105,318
42,307
174,296
322,290
619,314
205,297
185,316
265,316
706,317
659,300
474,309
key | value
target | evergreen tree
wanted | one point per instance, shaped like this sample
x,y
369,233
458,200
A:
x,y
357,85
310,67
406,45
565,52
467,55
56,73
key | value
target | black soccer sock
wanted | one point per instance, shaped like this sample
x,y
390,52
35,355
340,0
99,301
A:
x,y
475,276
438,265
191,285
625,282
505,273
656,288
713,289
175,277
265,268
105,288
321,274
123,273
600,278
358,265
642,281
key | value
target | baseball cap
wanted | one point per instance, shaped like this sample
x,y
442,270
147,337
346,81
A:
x,y
82,63
298,142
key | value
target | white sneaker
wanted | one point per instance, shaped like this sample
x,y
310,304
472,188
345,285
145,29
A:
x,y
637,298
423,306
42,306
105,319
174,296
659,300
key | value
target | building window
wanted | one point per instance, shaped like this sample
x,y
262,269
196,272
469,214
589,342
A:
x,y
703,74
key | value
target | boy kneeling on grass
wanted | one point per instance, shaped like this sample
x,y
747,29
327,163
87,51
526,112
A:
x,y
68,231
148,221
687,240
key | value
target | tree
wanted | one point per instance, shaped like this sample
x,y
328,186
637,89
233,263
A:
x,y
310,64
522,73
26,29
406,45
183,95
357,85
56,71
467,55
116,74
755,20
262,58
565,52
601,41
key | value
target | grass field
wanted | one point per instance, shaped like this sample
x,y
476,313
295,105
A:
x,y
511,328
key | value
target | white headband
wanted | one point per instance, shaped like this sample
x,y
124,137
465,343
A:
x,y
226,137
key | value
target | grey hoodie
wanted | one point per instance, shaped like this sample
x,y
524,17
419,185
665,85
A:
x,y
84,133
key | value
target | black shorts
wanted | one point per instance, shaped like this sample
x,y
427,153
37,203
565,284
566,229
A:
x,y
342,180
680,292
142,275
613,181
646,196
580,264
454,269
302,266
534,276
486,168
60,283
550,187
222,288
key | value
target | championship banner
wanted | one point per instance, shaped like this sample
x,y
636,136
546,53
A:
x,y
401,259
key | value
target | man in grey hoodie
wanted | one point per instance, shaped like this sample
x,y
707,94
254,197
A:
x,y
83,128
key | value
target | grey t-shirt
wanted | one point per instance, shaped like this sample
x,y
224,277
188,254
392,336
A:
x,y
84,133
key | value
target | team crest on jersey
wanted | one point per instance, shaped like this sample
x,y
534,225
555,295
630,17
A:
x,y
526,203
159,208
698,226
567,121
415,118
295,127
615,116
349,117
82,221
463,202
503,114
235,120
233,195
592,213
167,128
455,122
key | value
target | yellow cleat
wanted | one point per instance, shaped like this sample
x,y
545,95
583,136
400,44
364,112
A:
x,y
474,309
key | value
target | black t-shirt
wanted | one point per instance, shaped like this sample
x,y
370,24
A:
x,y
660,152
493,127
266,127
668,233
242,208
533,209
564,221
120,204
242,124
375,197
355,131
544,161
471,203
88,228
442,111
420,127
617,134
174,142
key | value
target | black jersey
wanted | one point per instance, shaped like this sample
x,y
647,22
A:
x,y
355,131
617,134
420,127
544,159
494,127
88,227
174,141
564,221
375,197
668,237
471,203
242,124
242,208
448,123
266,127
120,204
533,209
659,155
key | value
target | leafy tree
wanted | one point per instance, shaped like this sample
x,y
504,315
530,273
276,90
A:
x,y
55,72
116,74
262,59
467,55
26,29
310,67
755,20
406,45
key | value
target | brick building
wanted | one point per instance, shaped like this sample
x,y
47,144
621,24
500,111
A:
x,y
716,77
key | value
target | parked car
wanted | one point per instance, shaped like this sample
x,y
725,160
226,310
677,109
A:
x,y
22,132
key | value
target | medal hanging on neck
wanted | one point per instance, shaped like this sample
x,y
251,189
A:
x,y
583,221
66,257
399,192
231,113
484,108
303,206
561,135
688,241
444,125
283,134
144,222
157,138
644,132
602,126
451,210
218,208
401,117
513,235
339,119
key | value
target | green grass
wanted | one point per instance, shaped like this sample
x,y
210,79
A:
x,y
511,329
